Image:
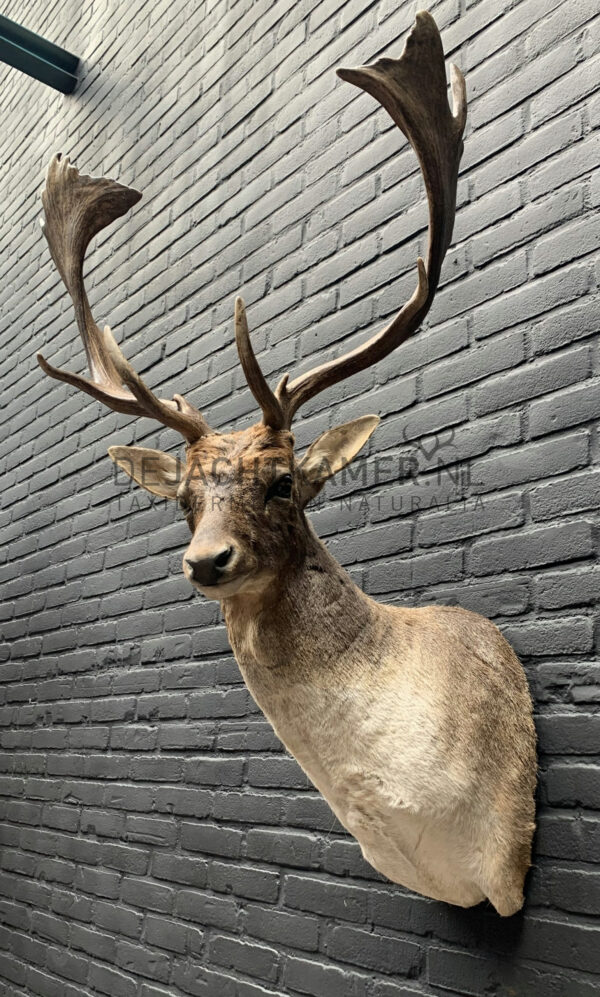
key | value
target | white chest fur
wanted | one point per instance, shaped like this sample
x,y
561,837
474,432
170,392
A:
x,y
415,725
379,764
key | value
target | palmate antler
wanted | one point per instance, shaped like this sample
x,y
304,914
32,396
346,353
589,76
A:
x,y
76,208
413,90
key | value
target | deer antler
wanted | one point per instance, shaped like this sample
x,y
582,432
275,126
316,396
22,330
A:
x,y
272,411
76,208
413,90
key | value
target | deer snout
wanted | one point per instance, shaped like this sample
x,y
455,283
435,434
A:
x,y
207,567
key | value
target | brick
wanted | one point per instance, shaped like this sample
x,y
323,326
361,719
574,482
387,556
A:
x,y
568,733
506,596
534,379
569,243
550,937
523,226
110,981
185,802
529,80
328,898
473,975
225,704
255,960
572,635
284,847
322,980
383,989
99,882
102,823
532,462
207,910
244,881
118,919
362,948
528,549
535,298
574,682
565,409
50,927
571,889
174,868
291,930
573,785
559,97
65,964
212,839
95,943
474,364
248,808
561,836
215,771
573,162
427,569
151,896
125,859
284,772
167,934
568,588
564,326
576,493
140,961
494,513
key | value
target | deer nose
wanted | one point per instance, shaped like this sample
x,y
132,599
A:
x,y
207,570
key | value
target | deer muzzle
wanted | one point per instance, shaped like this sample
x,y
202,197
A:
x,y
209,567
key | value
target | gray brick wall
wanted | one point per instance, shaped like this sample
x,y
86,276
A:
x,y
157,841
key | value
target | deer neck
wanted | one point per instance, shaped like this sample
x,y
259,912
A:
x,y
309,618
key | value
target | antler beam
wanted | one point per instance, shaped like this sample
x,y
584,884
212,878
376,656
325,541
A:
x,y
76,208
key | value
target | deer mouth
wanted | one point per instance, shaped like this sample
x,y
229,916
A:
x,y
222,589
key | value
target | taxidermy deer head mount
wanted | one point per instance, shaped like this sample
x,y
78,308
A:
x,y
414,724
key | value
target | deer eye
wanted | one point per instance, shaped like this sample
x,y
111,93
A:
x,y
185,507
282,488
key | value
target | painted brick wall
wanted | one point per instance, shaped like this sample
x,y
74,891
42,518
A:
x,y
157,841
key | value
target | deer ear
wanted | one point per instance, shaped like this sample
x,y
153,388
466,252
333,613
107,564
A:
x,y
333,451
154,470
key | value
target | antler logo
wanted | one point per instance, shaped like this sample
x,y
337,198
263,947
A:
x,y
436,443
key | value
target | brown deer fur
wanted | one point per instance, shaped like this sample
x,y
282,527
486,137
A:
x,y
415,724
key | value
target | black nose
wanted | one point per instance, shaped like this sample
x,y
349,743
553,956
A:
x,y
208,570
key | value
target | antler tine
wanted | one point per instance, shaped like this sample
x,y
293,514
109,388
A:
x,y
76,208
413,90
272,411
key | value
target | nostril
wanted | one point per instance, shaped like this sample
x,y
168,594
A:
x,y
207,570
222,559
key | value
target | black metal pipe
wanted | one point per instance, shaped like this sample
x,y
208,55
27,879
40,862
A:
x,y
32,54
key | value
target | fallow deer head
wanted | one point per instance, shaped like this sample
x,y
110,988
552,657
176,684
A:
x,y
243,492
